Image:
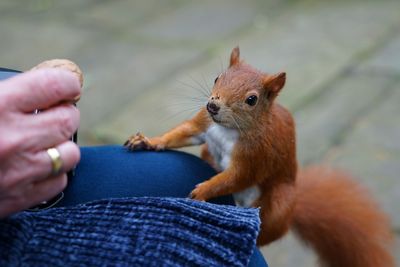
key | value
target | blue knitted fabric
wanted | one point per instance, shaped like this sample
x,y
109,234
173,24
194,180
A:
x,y
131,232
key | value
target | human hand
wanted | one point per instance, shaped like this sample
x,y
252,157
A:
x,y
26,177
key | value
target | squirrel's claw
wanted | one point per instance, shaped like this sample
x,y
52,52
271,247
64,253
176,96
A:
x,y
138,142
198,193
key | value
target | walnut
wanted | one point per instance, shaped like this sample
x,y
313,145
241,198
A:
x,y
63,64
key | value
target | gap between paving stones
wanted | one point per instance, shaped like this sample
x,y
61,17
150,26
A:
x,y
357,59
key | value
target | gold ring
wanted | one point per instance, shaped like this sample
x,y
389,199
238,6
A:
x,y
56,161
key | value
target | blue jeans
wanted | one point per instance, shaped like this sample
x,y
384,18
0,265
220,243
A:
x,y
112,171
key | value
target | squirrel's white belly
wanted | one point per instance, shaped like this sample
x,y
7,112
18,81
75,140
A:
x,y
220,142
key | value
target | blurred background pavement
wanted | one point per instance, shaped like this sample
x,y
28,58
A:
x,y
145,61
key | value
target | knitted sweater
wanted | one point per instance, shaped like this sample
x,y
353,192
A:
x,y
131,232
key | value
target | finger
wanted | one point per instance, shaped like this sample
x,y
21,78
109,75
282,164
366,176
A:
x,y
33,194
40,89
46,189
38,166
51,127
70,156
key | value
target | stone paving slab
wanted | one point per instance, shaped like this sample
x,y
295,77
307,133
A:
x,y
25,47
325,121
371,151
112,84
289,252
204,22
125,18
388,59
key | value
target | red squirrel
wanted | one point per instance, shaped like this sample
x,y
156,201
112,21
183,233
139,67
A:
x,y
250,140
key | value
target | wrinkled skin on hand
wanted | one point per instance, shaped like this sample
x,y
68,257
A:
x,y
25,168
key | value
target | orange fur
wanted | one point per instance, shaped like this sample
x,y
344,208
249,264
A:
x,y
339,219
325,208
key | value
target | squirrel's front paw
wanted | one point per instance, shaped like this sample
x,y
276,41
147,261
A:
x,y
141,142
200,192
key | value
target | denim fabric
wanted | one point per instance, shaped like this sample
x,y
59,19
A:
x,y
131,232
113,171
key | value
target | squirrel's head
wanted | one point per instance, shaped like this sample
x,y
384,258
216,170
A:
x,y
242,93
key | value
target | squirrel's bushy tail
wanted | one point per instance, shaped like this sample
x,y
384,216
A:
x,y
339,219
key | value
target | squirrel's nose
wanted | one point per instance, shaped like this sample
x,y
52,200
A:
x,y
212,108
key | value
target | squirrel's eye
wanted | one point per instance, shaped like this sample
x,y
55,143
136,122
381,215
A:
x,y
251,100
216,79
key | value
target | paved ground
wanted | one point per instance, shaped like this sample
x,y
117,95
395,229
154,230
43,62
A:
x,y
142,59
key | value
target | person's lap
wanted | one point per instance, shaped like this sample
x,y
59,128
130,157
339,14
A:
x,y
112,171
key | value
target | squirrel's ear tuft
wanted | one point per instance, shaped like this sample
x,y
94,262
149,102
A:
x,y
235,56
274,83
